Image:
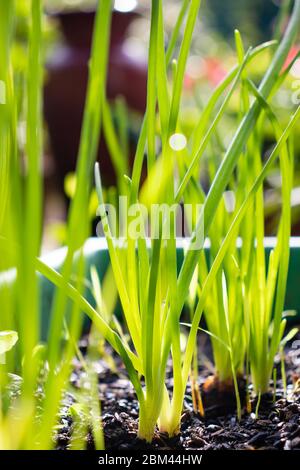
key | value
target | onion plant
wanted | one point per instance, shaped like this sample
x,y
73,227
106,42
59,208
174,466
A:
x,y
40,367
151,288
237,331
151,294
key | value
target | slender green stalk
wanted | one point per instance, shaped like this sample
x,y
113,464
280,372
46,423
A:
x,y
33,196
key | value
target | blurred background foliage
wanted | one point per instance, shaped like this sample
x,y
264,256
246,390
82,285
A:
x,y
67,30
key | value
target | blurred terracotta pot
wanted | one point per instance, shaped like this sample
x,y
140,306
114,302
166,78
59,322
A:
x,y
65,87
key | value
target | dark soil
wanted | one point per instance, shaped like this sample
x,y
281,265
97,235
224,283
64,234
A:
x,y
277,425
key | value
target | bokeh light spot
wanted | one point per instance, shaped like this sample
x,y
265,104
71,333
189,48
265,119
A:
x,y
177,142
125,5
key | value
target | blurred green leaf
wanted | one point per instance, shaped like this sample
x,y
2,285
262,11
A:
x,y
7,340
